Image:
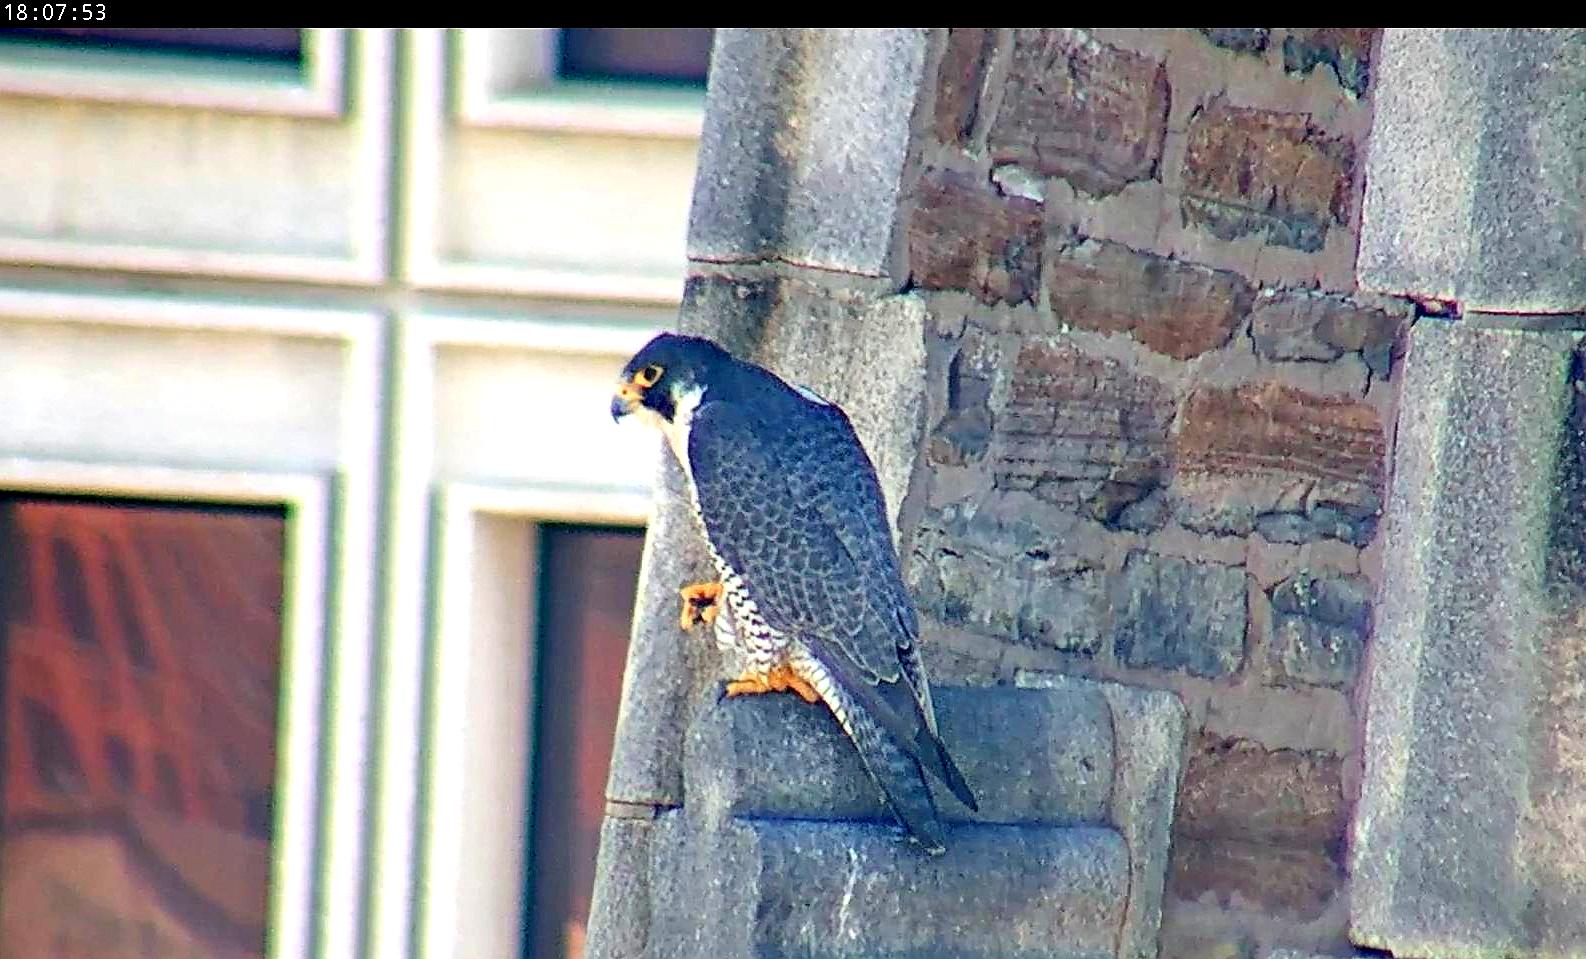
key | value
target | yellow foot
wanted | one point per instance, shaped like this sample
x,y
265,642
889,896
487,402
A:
x,y
699,604
780,678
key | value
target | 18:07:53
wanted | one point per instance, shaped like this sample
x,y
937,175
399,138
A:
x,y
56,12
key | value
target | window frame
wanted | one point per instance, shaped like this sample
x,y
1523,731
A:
x,y
446,603
506,78
452,99
334,556
179,79
300,723
484,601
352,72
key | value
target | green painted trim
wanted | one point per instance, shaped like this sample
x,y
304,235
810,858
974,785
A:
x,y
660,97
41,54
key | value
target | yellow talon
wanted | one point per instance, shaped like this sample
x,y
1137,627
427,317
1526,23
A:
x,y
747,685
779,679
700,604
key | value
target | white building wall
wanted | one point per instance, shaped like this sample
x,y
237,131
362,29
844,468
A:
x,y
389,291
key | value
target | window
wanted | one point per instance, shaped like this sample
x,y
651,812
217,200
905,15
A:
x,y
676,54
588,579
139,675
260,43
284,72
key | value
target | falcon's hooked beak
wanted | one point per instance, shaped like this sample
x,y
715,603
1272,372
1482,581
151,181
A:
x,y
629,397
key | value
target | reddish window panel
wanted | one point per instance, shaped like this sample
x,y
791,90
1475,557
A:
x,y
679,54
273,43
588,577
139,673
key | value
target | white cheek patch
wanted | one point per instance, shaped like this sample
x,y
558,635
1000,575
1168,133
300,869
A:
x,y
811,395
650,417
677,430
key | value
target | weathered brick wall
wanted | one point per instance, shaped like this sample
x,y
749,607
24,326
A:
x,y
1159,413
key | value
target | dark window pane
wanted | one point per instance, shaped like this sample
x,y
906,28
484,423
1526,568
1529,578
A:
x,y
127,616
137,761
51,752
119,755
170,785
272,43
71,591
678,54
587,581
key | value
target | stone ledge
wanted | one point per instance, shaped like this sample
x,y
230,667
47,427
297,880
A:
x,y
1149,726
779,887
774,756
783,846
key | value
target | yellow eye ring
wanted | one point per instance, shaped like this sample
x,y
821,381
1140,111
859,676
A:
x,y
648,376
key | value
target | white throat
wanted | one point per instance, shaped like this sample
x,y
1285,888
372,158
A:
x,y
676,431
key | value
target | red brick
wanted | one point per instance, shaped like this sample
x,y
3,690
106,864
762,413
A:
x,y
965,236
1257,171
959,81
1276,431
1174,308
1264,824
1281,879
1082,110
1075,426
1239,789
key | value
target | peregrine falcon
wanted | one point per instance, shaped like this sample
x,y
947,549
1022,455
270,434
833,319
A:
x,y
796,524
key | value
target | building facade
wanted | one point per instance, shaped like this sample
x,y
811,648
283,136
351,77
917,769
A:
x,y
313,508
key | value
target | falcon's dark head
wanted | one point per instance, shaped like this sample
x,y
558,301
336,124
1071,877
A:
x,y
669,373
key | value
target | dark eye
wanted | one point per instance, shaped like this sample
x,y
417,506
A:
x,y
648,376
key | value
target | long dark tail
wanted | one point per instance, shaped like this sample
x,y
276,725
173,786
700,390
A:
x,y
929,746
894,770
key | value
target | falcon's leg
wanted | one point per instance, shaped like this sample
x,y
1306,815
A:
x,y
700,604
778,679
